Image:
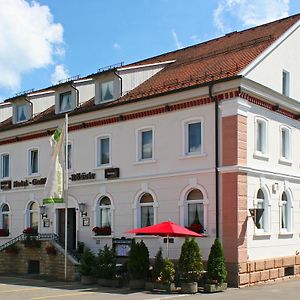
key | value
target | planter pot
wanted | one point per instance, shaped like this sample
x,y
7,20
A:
x,y
149,285
169,287
189,287
87,279
137,284
102,281
215,287
110,282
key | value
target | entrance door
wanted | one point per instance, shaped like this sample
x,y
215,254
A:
x,y
71,227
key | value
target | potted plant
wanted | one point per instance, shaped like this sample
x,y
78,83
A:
x,y
216,269
50,249
87,267
12,249
31,242
156,271
167,275
105,230
138,265
190,266
106,267
4,232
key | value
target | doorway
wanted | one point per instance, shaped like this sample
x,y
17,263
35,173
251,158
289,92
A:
x,y
71,230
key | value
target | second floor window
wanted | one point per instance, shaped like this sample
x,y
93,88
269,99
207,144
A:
x,y
285,83
103,150
65,102
193,137
69,149
285,143
261,137
33,161
145,144
4,165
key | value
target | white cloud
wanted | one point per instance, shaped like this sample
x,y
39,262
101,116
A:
x,y
116,46
177,42
59,73
250,13
29,39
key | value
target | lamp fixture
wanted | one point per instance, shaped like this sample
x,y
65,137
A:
x,y
43,210
83,213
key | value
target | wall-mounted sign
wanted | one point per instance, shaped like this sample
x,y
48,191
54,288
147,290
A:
x,y
122,246
46,222
82,176
5,185
25,183
112,173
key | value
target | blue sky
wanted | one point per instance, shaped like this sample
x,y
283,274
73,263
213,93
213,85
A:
x,y
47,40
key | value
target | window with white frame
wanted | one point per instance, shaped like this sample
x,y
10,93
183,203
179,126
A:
x,y
33,215
69,156
260,218
146,210
106,91
285,143
285,83
4,165
193,137
21,113
195,211
261,137
145,144
65,102
33,161
5,215
103,151
285,213
104,212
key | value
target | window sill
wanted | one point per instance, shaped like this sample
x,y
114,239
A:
x,y
190,155
284,161
33,175
285,234
102,236
265,235
145,161
102,167
260,156
6,237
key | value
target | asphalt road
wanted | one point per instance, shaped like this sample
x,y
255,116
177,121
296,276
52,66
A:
x,y
17,288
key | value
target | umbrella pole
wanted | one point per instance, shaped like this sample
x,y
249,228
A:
x,y
167,246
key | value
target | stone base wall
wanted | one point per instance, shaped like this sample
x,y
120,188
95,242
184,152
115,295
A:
x,y
269,269
50,265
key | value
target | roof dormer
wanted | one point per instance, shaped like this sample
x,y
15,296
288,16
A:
x,y
65,99
22,111
107,88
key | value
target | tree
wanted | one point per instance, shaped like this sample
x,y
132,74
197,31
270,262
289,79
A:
x,y
106,263
216,269
158,265
87,265
168,272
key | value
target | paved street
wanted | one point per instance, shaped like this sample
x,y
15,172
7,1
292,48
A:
x,y
17,288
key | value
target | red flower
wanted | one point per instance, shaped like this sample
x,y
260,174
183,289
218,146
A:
x,y
4,232
30,231
105,230
196,228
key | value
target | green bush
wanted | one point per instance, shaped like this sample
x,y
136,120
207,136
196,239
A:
x,y
138,261
168,272
190,262
158,265
106,263
87,265
216,269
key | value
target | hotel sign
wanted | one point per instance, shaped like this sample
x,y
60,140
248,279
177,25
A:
x,y
25,183
5,185
82,176
112,173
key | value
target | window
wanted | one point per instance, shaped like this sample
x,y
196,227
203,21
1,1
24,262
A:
x,y
5,213
195,211
69,149
65,102
21,113
146,210
107,91
260,218
145,144
261,137
104,212
285,144
33,161
285,213
285,83
33,215
103,150
193,138
4,165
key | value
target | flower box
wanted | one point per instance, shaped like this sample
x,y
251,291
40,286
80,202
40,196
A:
x,y
30,231
196,228
106,230
4,232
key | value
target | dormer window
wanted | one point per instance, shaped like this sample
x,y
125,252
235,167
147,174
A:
x,y
65,102
107,91
21,113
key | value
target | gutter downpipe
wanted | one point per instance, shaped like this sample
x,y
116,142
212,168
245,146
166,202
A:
x,y
77,94
31,105
121,82
216,100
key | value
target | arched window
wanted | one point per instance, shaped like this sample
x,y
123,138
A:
x,y
195,211
260,217
285,213
33,215
146,210
5,213
104,212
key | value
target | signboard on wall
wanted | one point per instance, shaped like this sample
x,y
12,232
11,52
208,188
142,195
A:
x,y
111,173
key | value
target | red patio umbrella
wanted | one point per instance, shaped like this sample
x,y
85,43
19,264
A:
x,y
168,229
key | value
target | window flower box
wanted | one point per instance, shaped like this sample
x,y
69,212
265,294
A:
x,y
4,232
106,230
30,231
196,228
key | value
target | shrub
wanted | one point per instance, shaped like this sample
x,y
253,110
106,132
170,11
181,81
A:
x,y
87,265
138,261
158,265
216,269
106,263
168,272
190,261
